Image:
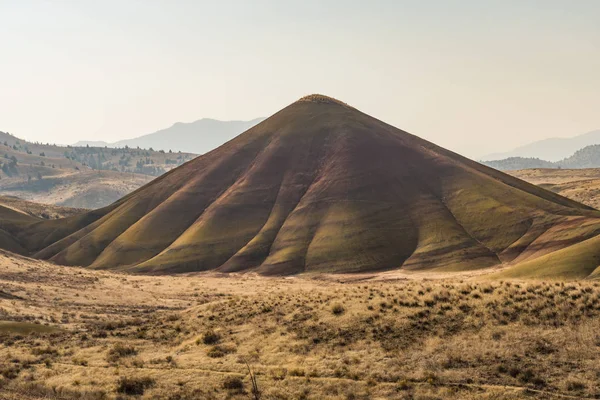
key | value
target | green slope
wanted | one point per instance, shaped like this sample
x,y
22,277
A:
x,y
320,187
578,261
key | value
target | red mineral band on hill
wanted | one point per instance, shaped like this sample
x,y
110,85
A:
x,y
319,187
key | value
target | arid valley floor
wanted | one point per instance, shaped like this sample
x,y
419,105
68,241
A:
x,y
321,254
582,185
71,333
300,200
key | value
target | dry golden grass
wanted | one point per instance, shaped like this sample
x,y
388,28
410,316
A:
x,y
84,188
45,211
87,177
197,337
582,185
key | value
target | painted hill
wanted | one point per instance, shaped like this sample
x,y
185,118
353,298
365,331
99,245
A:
x,y
317,187
197,137
553,149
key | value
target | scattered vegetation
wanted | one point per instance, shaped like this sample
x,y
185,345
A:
x,y
582,185
211,337
120,350
196,337
79,176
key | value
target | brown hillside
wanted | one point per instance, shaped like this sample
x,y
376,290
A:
x,y
45,211
72,176
582,185
320,186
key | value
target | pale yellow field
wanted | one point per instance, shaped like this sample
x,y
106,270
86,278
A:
x,y
45,211
582,185
79,334
84,189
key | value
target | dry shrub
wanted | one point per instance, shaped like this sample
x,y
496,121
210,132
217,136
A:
x,y
233,383
338,309
120,350
211,337
134,386
220,351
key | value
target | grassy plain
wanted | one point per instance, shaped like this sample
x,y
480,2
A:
x,y
582,185
71,333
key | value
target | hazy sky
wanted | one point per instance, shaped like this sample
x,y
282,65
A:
x,y
474,76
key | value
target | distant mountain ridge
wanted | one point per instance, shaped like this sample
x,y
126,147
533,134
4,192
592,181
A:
x,y
552,149
587,157
516,163
198,137
91,143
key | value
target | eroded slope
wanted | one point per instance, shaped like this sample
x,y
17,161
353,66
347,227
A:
x,y
322,187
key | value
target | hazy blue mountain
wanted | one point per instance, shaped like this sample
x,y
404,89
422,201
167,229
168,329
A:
x,y
588,157
197,137
553,149
515,163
